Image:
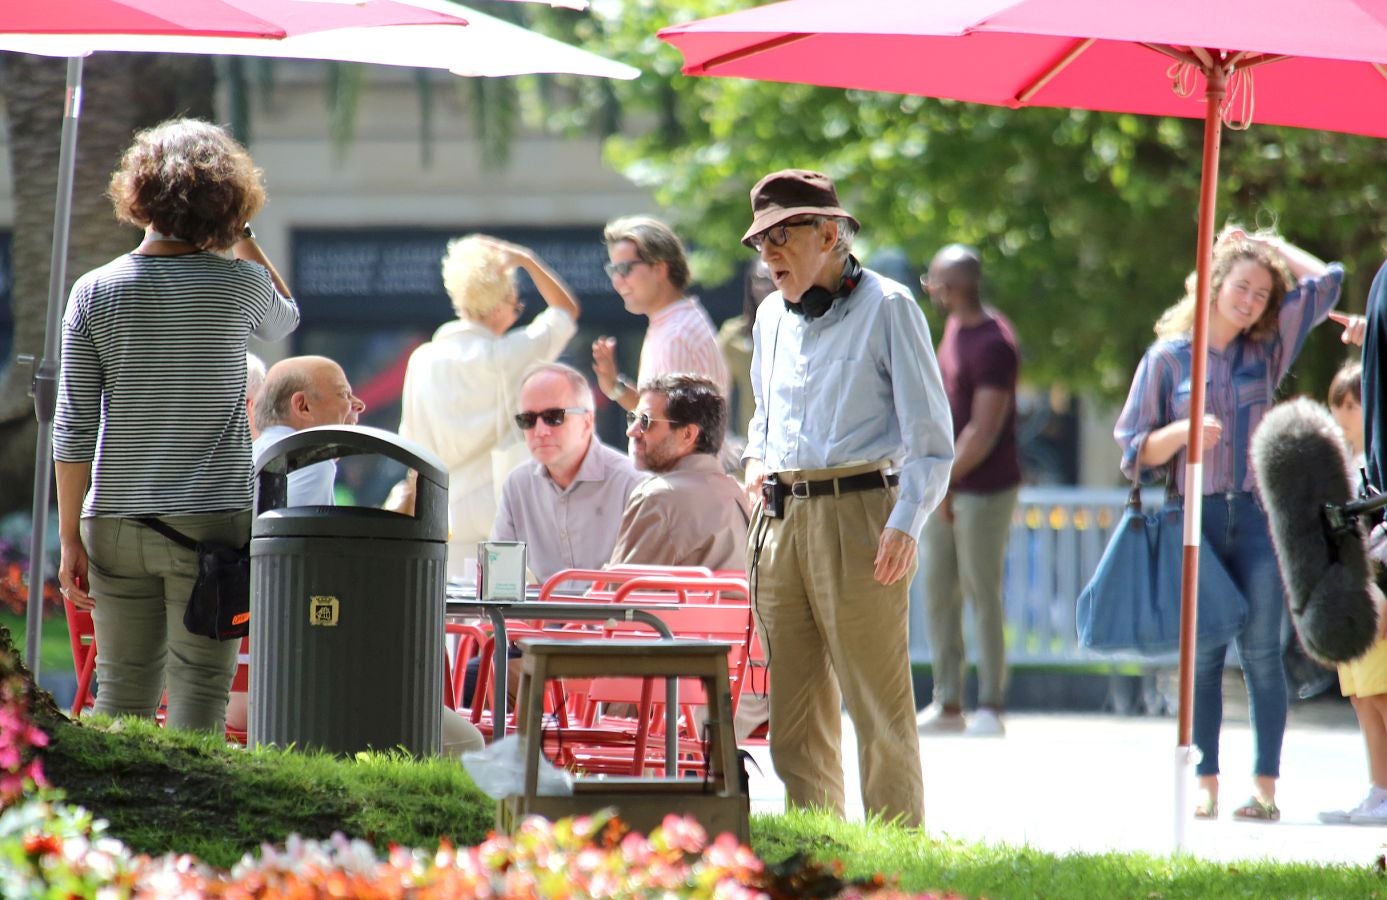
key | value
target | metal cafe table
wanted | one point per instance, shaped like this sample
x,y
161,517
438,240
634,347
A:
x,y
461,600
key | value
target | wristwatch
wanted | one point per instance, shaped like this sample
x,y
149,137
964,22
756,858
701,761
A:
x,y
623,384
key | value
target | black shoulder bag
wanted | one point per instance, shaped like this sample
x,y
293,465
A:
x,y
219,607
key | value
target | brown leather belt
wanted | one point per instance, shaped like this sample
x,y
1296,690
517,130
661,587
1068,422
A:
x,y
867,481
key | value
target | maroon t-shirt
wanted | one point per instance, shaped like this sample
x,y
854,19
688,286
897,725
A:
x,y
979,356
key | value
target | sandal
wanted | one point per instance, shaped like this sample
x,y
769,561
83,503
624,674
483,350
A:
x,y
1258,810
1207,808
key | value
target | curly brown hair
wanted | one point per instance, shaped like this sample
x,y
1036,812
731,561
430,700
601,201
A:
x,y
1230,250
188,179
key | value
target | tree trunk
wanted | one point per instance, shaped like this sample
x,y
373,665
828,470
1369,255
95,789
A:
x,y
122,93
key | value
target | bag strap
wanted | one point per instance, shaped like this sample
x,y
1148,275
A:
x,y
1134,498
174,535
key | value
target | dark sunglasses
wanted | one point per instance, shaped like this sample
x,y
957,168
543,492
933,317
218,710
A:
x,y
551,417
644,419
776,235
622,268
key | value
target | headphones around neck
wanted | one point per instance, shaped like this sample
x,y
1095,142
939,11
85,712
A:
x,y
819,300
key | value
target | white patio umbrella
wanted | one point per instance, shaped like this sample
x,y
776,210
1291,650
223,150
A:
x,y
437,35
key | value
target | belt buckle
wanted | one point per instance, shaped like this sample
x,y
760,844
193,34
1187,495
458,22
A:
x,y
800,489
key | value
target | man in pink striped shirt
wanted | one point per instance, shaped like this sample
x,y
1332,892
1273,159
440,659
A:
x,y
650,271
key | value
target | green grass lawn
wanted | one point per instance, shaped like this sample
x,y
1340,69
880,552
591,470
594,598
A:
x,y
55,654
168,791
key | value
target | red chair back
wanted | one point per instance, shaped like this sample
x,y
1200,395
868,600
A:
x,y
708,590
601,582
81,635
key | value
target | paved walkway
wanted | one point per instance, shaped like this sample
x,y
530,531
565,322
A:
x,y
1095,783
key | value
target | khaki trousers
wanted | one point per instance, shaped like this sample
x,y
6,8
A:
x,y
141,582
835,635
966,558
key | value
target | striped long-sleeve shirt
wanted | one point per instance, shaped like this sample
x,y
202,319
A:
x,y
1241,386
152,390
681,338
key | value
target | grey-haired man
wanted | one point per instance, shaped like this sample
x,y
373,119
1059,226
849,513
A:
x,y
848,453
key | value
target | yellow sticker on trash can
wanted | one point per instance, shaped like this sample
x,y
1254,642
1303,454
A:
x,y
323,611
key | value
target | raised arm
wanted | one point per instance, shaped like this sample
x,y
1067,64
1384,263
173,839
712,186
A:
x,y
1301,262
551,288
248,248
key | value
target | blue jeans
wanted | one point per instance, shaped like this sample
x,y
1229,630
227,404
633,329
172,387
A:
x,y
1235,528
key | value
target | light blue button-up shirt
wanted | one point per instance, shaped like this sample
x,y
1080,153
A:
x,y
859,384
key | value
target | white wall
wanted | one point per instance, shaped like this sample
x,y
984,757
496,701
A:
x,y
379,179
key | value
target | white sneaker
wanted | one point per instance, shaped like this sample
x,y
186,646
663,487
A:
x,y
933,719
985,723
1373,815
1344,816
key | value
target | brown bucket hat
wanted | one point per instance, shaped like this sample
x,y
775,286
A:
x,y
792,192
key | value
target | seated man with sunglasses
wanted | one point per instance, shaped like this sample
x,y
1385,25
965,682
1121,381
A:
x,y
566,504
689,513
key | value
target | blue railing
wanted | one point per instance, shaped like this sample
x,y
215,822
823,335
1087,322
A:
x,y
1057,537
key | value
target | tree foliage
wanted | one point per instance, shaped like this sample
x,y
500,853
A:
x,y
1086,221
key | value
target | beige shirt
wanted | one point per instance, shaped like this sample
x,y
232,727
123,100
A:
x,y
692,515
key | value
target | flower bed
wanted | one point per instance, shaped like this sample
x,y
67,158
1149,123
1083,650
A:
x,y
48,849
14,573
20,739
52,849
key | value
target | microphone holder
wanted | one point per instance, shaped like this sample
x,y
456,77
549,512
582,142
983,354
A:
x,y
1342,518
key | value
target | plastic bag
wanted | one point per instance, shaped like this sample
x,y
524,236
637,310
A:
x,y
498,770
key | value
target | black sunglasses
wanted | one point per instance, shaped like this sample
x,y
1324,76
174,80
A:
x,y
622,268
552,417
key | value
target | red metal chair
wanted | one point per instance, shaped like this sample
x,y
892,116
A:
x,y
81,635
603,581
478,708
240,682
639,743
705,589
470,638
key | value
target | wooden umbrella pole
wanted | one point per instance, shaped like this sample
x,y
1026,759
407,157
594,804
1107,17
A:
x,y
1216,81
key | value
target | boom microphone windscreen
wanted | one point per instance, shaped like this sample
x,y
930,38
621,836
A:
x,y
1301,463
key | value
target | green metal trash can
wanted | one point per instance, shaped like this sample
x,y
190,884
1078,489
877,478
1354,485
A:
x,y
346,637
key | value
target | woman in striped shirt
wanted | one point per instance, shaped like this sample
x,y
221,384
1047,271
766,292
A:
x,y
151,417
1267,295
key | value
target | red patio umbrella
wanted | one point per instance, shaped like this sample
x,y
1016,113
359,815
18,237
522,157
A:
x,y
1276,61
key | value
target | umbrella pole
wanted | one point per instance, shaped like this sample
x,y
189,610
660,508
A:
x,y
1185,755
45,383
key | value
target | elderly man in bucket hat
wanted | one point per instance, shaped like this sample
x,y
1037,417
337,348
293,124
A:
x,y
848,453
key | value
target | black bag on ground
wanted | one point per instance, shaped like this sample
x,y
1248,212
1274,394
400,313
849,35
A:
x,y
219,607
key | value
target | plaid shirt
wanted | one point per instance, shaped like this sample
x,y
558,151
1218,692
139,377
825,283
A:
x,y
1242,382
